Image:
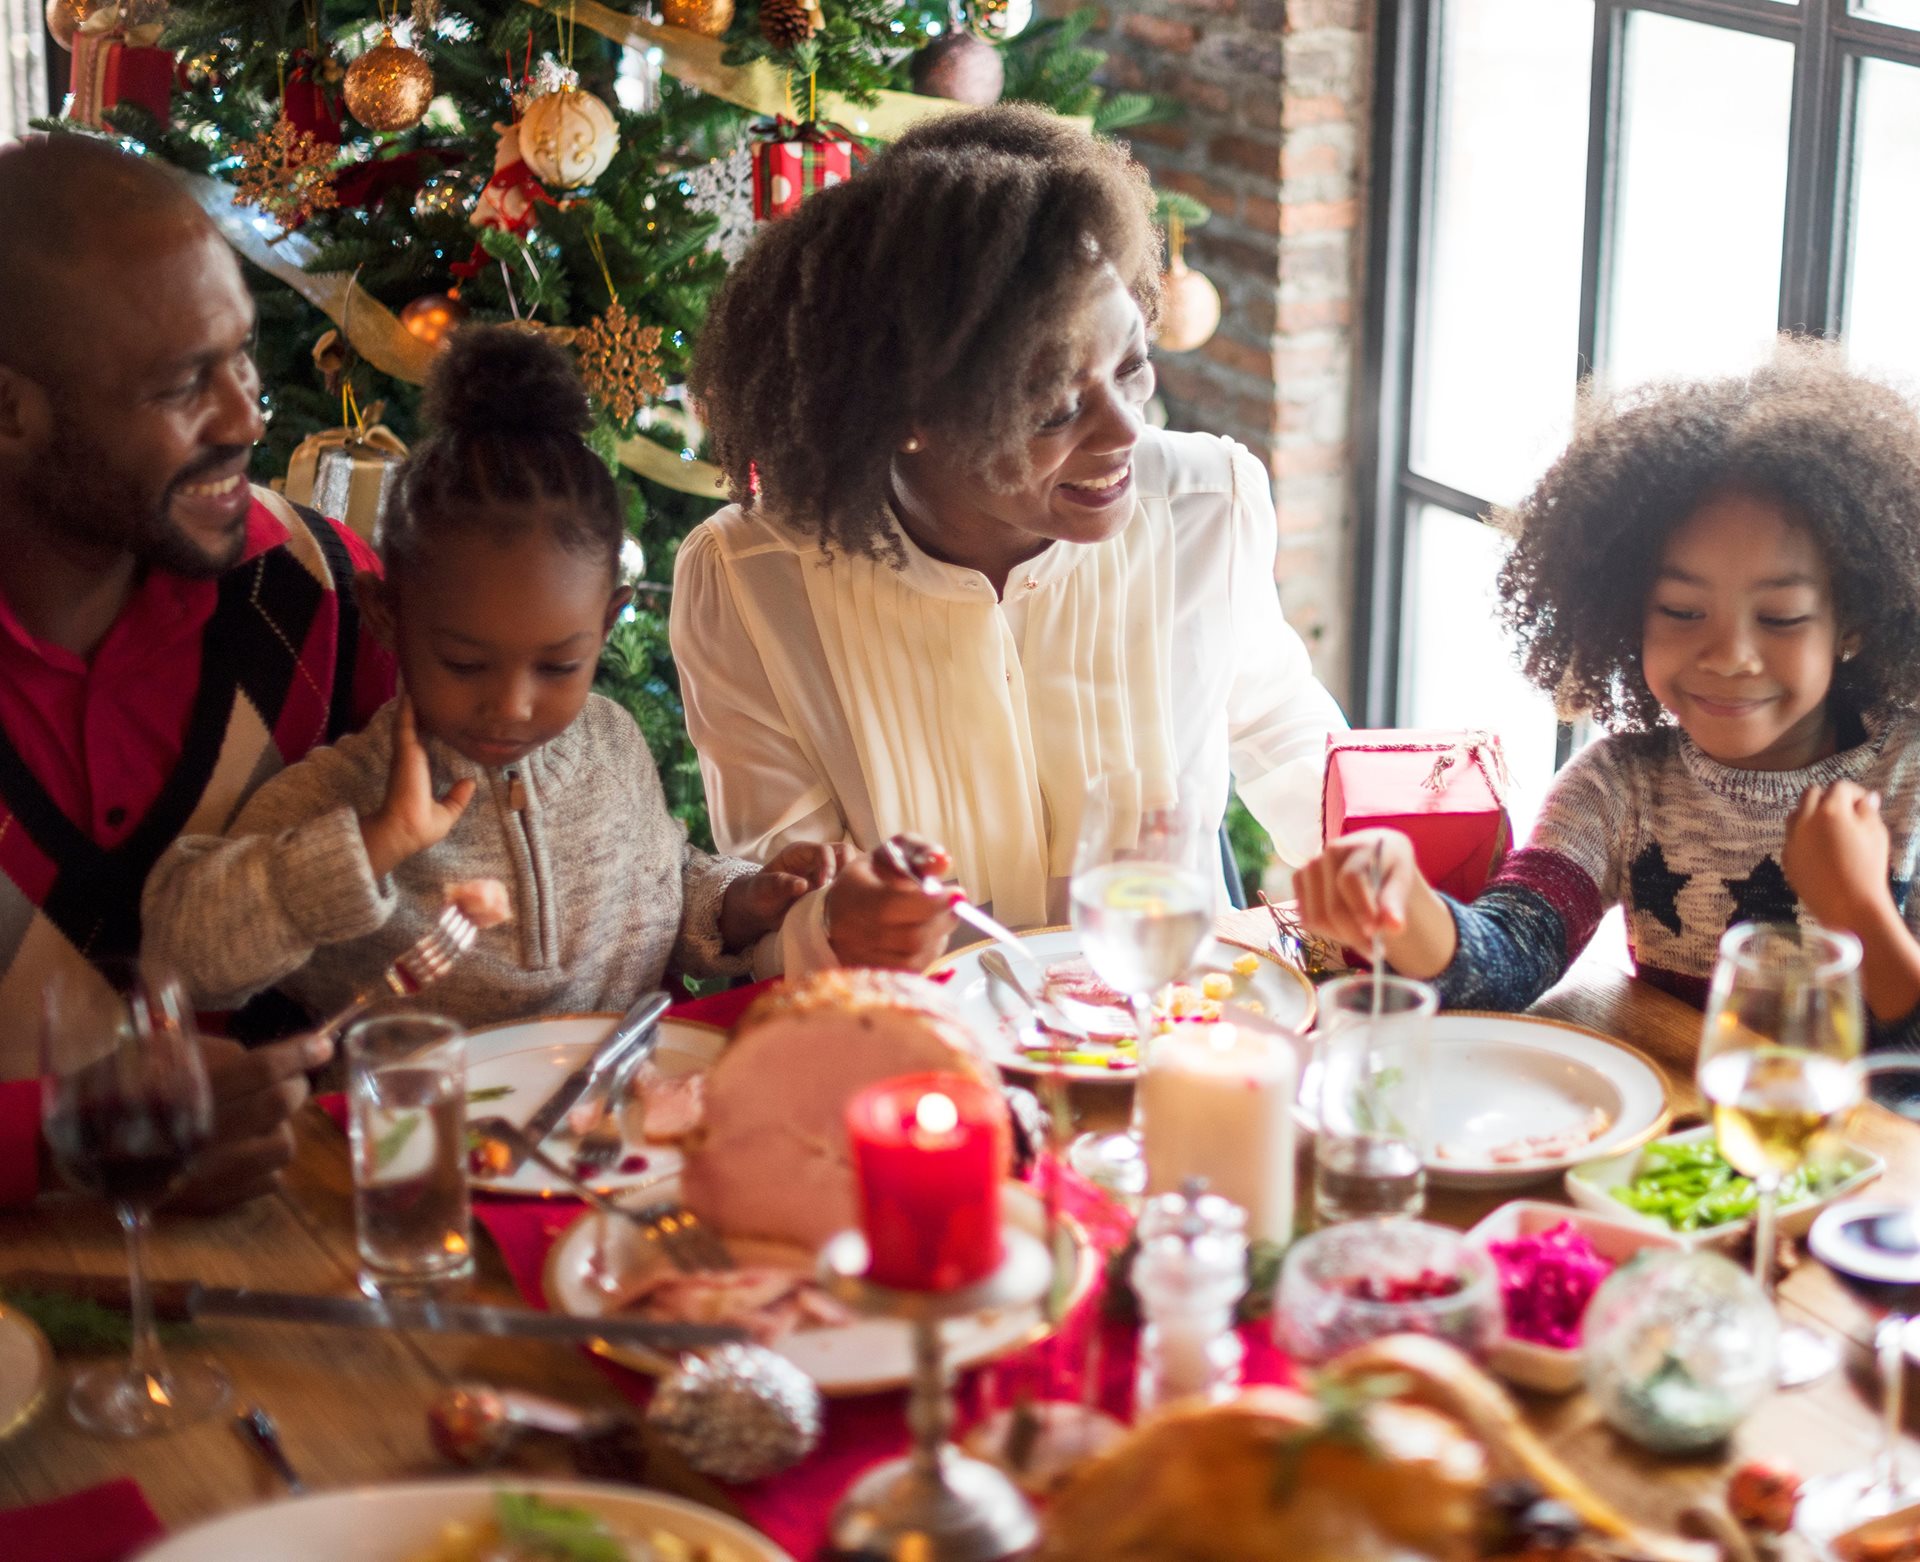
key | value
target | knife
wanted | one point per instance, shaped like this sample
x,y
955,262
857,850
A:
x,y
1044,1009
177,1299
960,906
634,1028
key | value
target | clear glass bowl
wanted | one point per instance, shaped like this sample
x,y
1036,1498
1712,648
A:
x,y
1317,1316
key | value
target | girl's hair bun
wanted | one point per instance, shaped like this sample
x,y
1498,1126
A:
x,y
503,380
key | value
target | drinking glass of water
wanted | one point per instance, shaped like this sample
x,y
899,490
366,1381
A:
x,y
1143,907
125,1105
1373,1043
407,1091
1784,1026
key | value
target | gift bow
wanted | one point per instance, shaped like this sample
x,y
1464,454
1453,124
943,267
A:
x,y
1473,748
120,23
780,128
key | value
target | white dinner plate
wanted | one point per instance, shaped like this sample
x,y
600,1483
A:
x,y
1498,1078
399,1522
26,1370
865,1356
528,1059
1001,1020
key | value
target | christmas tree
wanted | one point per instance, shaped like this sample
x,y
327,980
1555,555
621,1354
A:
x,y
561,164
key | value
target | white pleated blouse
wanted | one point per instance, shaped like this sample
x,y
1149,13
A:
x,y
844,698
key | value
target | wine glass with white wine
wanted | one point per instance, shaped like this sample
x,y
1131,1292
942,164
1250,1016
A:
x,y
1143,907
1783,1029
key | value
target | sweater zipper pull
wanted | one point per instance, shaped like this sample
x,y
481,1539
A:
x,y
516,792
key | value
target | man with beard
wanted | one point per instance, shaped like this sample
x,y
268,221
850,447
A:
x,y
169,636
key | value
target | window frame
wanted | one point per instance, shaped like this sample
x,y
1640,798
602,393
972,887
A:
x,y
1829,44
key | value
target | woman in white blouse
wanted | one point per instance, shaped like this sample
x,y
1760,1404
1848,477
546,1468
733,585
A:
x,y
963,577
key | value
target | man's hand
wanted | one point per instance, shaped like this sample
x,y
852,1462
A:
x,y
757,903
255,1092
1835,856
411,818
877,915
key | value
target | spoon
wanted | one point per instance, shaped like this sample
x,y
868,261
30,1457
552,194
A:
x,y
475,1425
255,1428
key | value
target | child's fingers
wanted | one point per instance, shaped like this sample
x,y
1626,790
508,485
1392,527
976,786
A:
x,y
406,734
485,902
457,798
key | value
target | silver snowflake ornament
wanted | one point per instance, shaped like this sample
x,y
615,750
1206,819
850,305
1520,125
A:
x,y
724,189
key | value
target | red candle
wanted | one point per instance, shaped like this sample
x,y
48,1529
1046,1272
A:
x,y
931,1151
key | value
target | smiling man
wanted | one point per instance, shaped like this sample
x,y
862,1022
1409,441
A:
x,y
169,635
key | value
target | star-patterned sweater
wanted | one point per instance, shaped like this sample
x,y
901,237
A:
x,y
1687,845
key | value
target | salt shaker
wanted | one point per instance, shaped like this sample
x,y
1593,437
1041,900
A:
x,y
1189,1272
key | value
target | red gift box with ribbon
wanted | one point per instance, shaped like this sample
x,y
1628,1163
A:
x,y
791,159
1445,791
114,62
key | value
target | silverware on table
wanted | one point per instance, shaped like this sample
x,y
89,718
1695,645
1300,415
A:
x,y
1049,1014
896,855
256,1429
689,1243
603,1144
636,1030
434,954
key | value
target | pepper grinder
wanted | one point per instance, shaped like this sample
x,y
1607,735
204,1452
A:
x,y
1189,1272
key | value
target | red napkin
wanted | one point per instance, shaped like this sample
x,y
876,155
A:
x,y
101,1524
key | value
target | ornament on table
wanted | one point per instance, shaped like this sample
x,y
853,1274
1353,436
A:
x,y
1189,302
65,16
1446,791
390,86
723,188
568,138
998,20
786,24
1762,1496
433,317
347,472
116,61
739,1413
961,67
708,18
790,160
287,173
313,101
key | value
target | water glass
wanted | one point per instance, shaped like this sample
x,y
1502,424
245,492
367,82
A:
x,y
407,1092
1372,1046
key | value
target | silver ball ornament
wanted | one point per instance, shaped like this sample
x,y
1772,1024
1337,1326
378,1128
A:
x,y
740,1413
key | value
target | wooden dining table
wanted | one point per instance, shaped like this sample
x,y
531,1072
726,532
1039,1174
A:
x,y
352,1405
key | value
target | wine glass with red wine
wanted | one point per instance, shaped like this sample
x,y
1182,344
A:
x,y
125,1105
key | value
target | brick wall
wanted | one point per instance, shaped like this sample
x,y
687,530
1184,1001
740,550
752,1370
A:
x,y
1273,139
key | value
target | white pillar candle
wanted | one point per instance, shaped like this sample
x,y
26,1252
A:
x,y
1217,1102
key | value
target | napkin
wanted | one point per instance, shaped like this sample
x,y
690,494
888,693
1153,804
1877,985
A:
x,y
101,1524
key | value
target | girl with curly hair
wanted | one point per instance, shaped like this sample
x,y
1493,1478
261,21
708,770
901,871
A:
x,y
962,578
1727,574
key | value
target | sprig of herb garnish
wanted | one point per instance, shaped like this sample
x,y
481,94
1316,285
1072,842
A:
x,y
1344,1404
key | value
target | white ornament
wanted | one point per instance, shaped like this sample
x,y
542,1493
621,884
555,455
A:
x,y
568,138
723,188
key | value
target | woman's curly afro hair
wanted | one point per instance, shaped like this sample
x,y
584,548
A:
x,y
936,289
1840,452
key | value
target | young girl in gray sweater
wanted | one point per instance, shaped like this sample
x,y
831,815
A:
x,y
497,775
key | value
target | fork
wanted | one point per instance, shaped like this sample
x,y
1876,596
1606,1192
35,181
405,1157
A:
x,y
601,1145
689,1243
429,958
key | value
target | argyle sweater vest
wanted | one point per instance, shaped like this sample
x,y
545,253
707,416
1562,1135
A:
x,y
276,680
1687,846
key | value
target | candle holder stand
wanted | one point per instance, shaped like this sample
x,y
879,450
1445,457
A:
x,y
936,1504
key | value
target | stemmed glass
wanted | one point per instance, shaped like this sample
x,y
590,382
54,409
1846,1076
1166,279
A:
x,y
1783,1028
1143,908
125,1105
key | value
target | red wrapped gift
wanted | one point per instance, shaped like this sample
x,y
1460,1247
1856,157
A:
x,y
114,62
793,159
1445,791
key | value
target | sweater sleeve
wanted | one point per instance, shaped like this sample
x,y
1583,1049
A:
x,y
700,950
233,915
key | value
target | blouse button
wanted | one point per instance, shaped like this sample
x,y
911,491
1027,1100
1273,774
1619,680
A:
x,y
1033,585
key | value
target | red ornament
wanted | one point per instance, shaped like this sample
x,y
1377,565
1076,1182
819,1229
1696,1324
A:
x,y
1763,1496
930,1152
312,101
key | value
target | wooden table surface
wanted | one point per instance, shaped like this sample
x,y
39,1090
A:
x,y
351,1405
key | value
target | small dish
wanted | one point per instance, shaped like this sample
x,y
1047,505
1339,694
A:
x,y
26,1370
1591,1186
1548,1368
1317,1318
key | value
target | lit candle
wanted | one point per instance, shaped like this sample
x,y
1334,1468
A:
x,y
930,1152
1217,1102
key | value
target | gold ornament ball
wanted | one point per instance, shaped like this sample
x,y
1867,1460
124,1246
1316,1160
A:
x,y
568,138
962,68
388,87
709,18
433,317
65,16
1189,308
998,20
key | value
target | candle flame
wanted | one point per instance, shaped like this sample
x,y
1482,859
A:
x,y
936,1114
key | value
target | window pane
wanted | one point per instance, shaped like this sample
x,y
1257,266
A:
x,y
1499,311
1702,199
1898,13
1882,325
1457,662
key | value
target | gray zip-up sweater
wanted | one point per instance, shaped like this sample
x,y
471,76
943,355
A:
x,y
606,891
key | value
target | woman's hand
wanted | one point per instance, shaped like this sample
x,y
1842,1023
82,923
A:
x,y
255,1093
1836,856
1337,901
411,818
880,911
757,903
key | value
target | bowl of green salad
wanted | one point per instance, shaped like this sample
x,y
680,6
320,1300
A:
x,y
1683,1186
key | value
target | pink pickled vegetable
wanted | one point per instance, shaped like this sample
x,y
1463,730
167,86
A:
x,y
1546,1281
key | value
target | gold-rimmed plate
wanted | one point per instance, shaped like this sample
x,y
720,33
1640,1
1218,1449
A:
x,y
864,1356
26,1370
513,1067
1276,990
